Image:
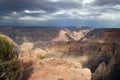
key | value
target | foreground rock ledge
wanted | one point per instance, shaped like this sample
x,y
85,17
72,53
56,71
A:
x,y
57,69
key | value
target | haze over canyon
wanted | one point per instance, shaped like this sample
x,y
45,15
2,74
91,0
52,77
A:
x,y
67,53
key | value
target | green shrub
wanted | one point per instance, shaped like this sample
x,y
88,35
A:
x,y
40,57
10,68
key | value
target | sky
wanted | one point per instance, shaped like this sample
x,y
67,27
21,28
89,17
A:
x,y
93,13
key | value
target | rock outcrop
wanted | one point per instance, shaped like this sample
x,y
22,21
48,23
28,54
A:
x,y
36,67
67,35
57,69
96,49
103,47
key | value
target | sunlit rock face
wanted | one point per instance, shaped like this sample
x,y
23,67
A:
x,y
62,36
53,54
74,35
103,54
30,52
99,52
51,68
44,34
59,69
79,35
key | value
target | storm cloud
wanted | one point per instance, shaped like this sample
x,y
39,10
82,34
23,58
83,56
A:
x,y
60,13
106,2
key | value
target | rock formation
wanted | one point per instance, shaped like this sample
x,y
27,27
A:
x,y
57,69
98,50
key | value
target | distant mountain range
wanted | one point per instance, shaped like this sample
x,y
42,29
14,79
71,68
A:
x,y
20,34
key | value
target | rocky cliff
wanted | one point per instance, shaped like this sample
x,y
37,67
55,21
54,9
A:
x,y
98,50
103,53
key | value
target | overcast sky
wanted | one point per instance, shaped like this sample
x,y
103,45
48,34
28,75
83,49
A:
x,y
93,13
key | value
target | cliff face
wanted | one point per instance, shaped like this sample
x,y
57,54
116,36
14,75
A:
x,y
59,69
96,49
20,35
103,53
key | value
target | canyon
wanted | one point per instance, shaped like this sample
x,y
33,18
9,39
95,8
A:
x,y
68,53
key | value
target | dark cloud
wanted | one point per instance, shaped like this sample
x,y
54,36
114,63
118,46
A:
x,y
19,5
62,10
106,2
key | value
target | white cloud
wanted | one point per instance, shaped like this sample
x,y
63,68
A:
x,y
14,12
55,0
74,13
34,11
110,16
65,0
71,13
7,18
117,7
26,11
87,1
39,18
59,12
85,12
